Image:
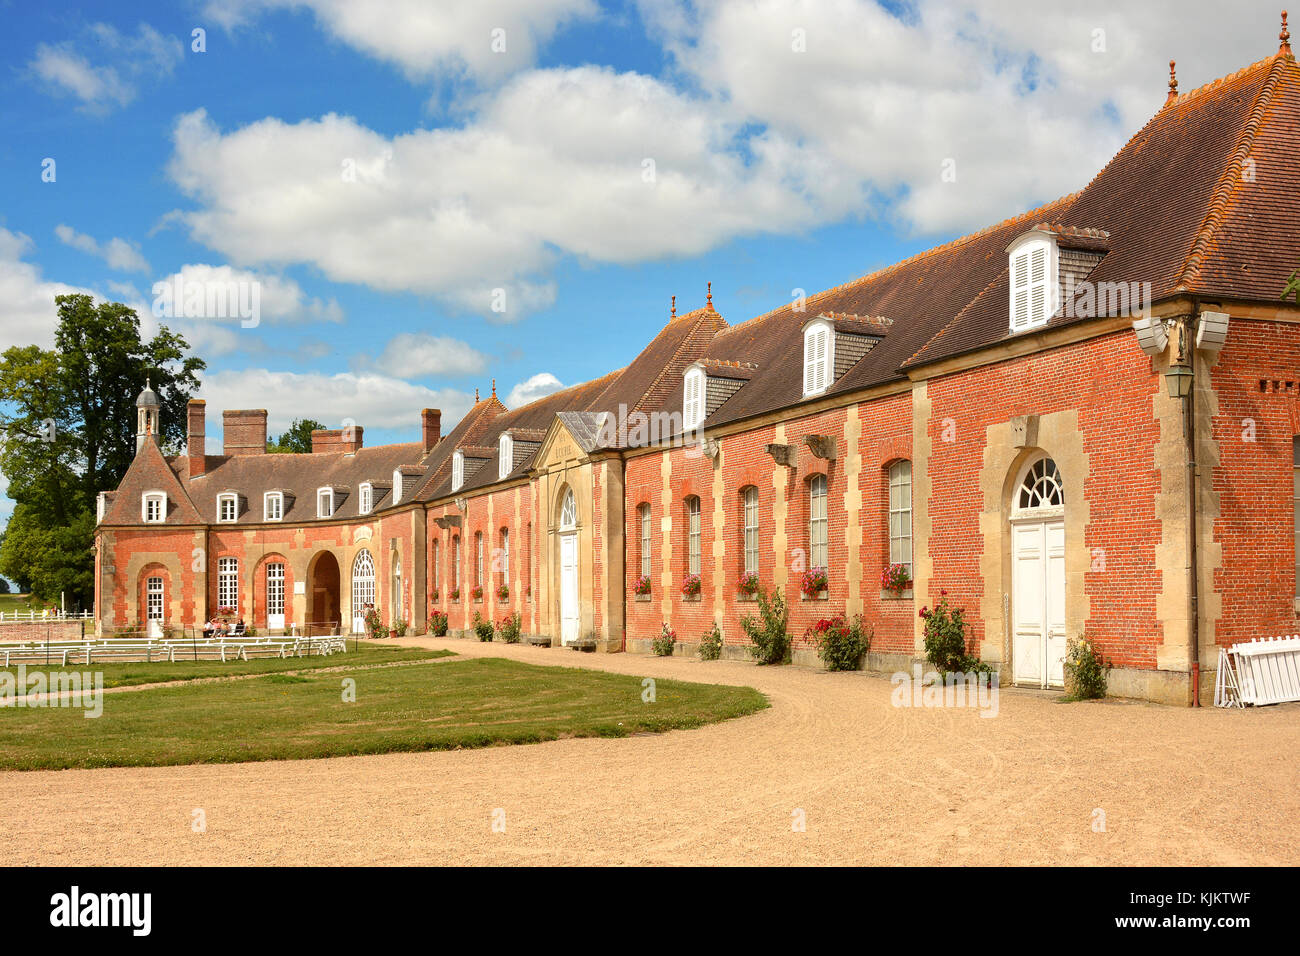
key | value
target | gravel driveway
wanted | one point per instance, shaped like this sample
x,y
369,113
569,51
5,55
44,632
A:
x,y
871,783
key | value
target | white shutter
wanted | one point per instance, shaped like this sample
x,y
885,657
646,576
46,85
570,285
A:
x,y
815,373
1020,291
1038,285
693,403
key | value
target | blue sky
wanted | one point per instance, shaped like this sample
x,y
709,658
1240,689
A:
x,y
504,145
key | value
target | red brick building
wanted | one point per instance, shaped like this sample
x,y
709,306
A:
x,y
1084,419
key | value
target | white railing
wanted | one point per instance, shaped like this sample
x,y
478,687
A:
x,y
1259,672
41,617
106,650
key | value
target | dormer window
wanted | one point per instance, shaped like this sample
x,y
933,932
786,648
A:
x,y
505,456
398,490
366,502
325,503
227,507
457,470
273,506
153,507
1033,274
818,356
693,398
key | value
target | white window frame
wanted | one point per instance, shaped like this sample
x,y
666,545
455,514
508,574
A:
x,y
692,505
1033,268
749,504
505,456
457,470
320,496
455,563
818,524
363,588
228,583
153,497
818,357
154,604
433,565
645,539
366,498
900,513
224,500
276,513
478,559
693,397
505,556
275,589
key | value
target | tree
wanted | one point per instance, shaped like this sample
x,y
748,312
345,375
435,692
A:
x,y
297,440
68,432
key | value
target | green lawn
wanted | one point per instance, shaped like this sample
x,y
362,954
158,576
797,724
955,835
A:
x,y
123,674
20,602
459,703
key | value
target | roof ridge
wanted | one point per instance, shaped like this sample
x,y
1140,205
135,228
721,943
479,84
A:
x,y
1221,197
672,360
917,257
1234,75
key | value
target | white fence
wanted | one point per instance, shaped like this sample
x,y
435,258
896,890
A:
x,y
1263,671
40,617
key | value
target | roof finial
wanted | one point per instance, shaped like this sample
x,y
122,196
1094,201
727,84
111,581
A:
x,y
710,300
494,388
673,313
475,394
1285,37
1173,85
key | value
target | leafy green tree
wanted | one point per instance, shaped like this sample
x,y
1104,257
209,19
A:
x,y
297,440
67,432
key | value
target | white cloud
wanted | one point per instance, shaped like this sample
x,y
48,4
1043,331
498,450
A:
x,y
533,388
122,61
120,254
1028,104
281,299
27,310
420,355
747,136
424,38
370,400
463,213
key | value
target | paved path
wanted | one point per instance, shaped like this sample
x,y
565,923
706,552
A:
x,y
875,784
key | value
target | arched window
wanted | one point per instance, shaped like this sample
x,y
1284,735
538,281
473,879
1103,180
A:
x,y
363,586
749,499
154,599
1040,487
643,515
692,535
396,595
568,511
818,525
900,514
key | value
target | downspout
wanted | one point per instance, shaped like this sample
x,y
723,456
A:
x,y
1193,584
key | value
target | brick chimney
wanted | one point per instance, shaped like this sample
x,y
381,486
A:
x,y
244,431
336,440
431,425
195,436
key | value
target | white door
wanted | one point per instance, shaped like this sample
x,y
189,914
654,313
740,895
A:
x,y
1038,603
154,606
275,597
568,588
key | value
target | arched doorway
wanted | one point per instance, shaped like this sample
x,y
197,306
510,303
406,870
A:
x,y
1038,576
569,590
323,616
363,589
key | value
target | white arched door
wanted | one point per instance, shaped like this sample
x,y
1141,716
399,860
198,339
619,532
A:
x,y
1038,577
363,589
570,620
